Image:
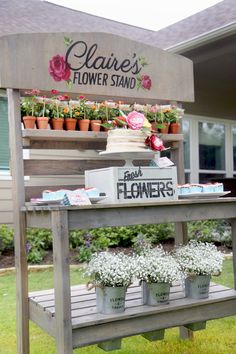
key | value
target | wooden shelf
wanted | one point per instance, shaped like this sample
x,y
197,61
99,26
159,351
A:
x,y
103,215
63,135
47,134
90,327
61,139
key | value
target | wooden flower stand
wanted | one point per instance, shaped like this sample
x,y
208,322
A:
x,y
72,311
68,313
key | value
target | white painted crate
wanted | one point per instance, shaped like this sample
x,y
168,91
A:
x,y
133,184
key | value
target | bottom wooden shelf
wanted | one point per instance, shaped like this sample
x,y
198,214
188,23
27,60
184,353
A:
x,y
90,327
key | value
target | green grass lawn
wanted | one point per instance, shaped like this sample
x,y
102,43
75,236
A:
x,y
218,338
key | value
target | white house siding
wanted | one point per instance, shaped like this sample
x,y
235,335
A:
x,y
6,204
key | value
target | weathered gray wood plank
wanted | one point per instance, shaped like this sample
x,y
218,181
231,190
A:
x,y
82,308
43,318
82,290
139,214
175,305
166,319
78,297
222,302
65,145
181,233
30,136
65,167
22,310
185,333
220,202
102,215
62,135
39,219
63,329
82,300
42,45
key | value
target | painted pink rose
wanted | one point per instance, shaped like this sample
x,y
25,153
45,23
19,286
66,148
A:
x,y
146,82
54,92
135,120
58,68
154,143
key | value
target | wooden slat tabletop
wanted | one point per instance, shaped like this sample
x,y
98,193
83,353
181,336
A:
x,y
84,303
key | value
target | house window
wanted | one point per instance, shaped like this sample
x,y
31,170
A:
x,y
186,132
211,146
211,149
4,138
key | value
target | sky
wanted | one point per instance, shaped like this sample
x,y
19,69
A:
x,y
149,14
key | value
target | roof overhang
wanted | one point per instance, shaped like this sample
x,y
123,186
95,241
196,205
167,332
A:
x,y
203,39
213,55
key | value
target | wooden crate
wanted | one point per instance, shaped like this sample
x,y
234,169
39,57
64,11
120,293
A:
x,y
133,184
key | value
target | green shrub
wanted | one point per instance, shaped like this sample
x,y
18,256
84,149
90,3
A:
x,y
6,238
38,240
86,242
141,244
211,231
124,236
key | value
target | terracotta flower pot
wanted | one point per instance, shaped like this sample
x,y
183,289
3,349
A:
x,y
165,129
175,128
95,125
42,122
57,123
70,123
84,125
103,128
154,126
29,122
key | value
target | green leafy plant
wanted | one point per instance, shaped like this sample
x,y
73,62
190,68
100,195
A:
x,y
38,240
29,103
6,238
218,231
142,244
84,254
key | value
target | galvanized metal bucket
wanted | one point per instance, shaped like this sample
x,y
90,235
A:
x,y
154,294
197,287
110,299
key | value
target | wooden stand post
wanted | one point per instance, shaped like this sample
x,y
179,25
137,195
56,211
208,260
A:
x,y
17,171
62,282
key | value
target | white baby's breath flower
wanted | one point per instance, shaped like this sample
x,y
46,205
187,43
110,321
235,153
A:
x,y
108,269
199,258
157,266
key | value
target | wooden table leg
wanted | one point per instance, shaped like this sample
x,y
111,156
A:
x,y
62,282
181,233
17,172
181,237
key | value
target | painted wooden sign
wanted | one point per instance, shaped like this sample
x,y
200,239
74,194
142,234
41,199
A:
x,y
134,184
94,64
